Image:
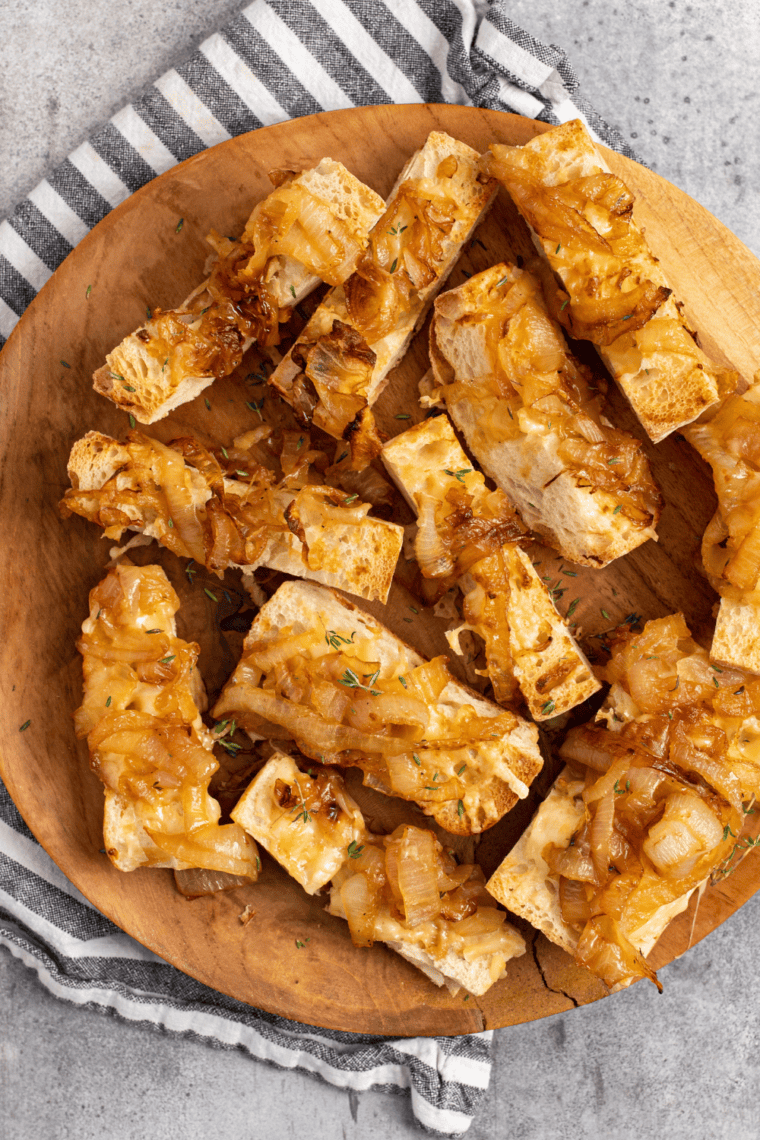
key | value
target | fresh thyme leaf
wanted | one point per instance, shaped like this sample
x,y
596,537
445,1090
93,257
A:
x,y
615,459
354,849
117,376
154,631
414,609
393,266
564,305
167,660
180,224
619,507
108,703
148,313
224,452
210,595
207,402
342,457
559,247
416,759
243,474
403,681
191,569
87,294
350,499
300,443
460,474
572,607
171,522
460,770
460,808
715,682
292,291
548,707
24,726
403,416
605,615
132,421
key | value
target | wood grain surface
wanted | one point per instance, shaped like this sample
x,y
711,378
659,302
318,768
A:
x,y
134,258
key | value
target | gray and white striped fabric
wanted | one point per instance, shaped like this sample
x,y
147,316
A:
x,y
276,60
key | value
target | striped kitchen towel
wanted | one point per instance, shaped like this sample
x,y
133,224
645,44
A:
x,y
276,60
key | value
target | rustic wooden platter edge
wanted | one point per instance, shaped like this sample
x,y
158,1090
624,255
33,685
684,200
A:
x,y
136,256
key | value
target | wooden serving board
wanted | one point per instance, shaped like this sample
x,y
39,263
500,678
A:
x,y
135,258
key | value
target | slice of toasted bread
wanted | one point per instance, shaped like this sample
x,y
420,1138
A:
x,y
176,354
426,462
445,168
314,829
462,772
736,640
483,367
525,885
586,231
141,714
341,547
306,822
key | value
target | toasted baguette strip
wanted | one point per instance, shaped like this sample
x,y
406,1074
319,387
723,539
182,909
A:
x,y
464,760
344,547
141,714
581,220
615,851
177,353
526,886
439,187
427,463
730,443
315,830
307,823
527,414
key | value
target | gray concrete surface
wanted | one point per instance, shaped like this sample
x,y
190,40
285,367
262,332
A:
x,y
680,80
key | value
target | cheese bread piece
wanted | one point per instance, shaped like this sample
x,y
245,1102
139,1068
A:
x,y
730,443
581,217
350,693
311,228
463,525
402,889
305,820
614,854
525,884
340,363
141,714
405,890
230,517
527,413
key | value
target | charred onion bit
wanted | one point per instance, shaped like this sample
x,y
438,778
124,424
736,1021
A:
x,y
141,715
660,792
